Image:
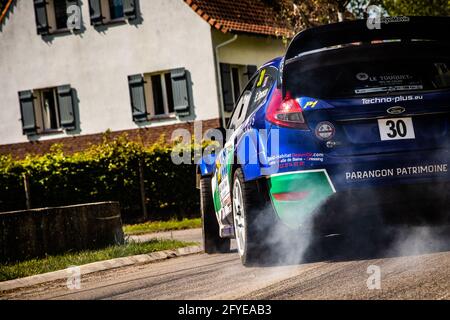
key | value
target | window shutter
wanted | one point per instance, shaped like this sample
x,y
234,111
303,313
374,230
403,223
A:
x,y
137,95
227,91
26,100
40,11
95,11
180,91
129,9
66,107
251,70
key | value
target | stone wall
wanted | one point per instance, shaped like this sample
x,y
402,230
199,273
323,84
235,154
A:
x,y
37,232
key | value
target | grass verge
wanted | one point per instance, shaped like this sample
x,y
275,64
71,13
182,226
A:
x,y
159,226
59,262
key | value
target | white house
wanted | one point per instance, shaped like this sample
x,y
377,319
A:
x,y
140,66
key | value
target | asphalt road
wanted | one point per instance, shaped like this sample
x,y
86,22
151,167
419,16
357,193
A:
x,y
413,264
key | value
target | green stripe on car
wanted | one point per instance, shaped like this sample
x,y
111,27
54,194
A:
x,y
312,187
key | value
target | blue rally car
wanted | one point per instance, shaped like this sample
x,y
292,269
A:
x,y
349,118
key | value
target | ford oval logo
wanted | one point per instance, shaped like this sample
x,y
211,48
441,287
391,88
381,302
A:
x,y
396,110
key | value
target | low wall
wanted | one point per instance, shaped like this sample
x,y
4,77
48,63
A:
x,y
37,232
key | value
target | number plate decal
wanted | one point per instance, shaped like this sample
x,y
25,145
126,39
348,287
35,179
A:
x,y
396,129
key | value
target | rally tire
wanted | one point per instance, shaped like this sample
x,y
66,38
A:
x,y
212,242
253,216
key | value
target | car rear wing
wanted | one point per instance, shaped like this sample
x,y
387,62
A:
x,y
349,32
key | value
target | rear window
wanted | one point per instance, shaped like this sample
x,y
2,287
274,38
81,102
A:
x,y
365,78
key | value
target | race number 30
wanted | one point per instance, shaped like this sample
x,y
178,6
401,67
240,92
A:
x,y
396,129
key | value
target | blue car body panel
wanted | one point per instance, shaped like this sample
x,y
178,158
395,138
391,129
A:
x,y
354,158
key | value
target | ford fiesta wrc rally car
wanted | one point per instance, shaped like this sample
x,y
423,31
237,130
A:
x,y
349,116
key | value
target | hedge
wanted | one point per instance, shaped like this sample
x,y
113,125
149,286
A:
x,y
105,172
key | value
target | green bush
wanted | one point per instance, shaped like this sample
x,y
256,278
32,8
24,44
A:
x,y
105,172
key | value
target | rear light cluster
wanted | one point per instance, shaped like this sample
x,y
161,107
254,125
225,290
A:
x,y
285,113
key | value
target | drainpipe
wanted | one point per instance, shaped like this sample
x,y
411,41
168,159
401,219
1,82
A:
x,y
219,79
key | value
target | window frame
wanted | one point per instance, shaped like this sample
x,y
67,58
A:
x,y
64,110
39,111
149,96
106,13
110,11
52,19
236,95
248,89
243,78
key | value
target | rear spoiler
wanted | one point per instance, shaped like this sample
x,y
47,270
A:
x,y
425,28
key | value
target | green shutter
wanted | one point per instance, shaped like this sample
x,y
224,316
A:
x,y
95,12
137,96
129,9
180,91
26,100
251,70
66,107
40,11
227,87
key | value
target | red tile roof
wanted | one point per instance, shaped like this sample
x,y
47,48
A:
x,y
249,16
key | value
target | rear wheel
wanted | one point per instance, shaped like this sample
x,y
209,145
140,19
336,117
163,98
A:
x,y
252,220
212,242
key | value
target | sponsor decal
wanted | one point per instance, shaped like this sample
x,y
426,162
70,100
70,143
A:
x,y
310,104
377,100
325,130
261,95
388,82
389,89
223,189
261,78
292,160
396,172
392,77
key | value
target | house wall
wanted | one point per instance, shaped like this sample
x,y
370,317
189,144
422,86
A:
x,y
248,49
98,61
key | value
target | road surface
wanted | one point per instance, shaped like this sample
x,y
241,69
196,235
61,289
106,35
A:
x,y
414,266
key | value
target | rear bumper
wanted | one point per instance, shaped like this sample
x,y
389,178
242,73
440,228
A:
x,y
420,167
413,204
306,198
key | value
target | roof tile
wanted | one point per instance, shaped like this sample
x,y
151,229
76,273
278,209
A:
x,y
249,16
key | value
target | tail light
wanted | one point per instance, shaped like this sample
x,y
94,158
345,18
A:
x,y
285,113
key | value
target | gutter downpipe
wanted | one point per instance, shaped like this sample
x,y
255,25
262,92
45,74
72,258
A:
x,y
219,79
